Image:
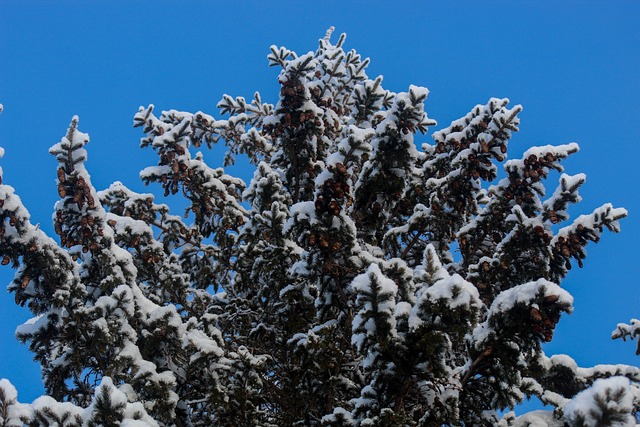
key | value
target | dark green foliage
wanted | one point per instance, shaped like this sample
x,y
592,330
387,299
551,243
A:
x,y
357,280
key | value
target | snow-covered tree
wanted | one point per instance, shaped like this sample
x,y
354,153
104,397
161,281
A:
x,y
359,279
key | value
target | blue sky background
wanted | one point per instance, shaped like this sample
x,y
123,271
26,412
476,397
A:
x,y
573,65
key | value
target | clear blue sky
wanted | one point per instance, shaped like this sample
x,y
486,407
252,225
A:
x,y
573,65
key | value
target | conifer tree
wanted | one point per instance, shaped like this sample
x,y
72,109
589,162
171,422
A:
x,y
358,279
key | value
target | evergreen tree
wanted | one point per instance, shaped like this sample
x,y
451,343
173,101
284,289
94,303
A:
x,y
357,280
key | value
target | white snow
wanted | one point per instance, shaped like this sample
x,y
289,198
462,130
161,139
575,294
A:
x,y
616,394
9,402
